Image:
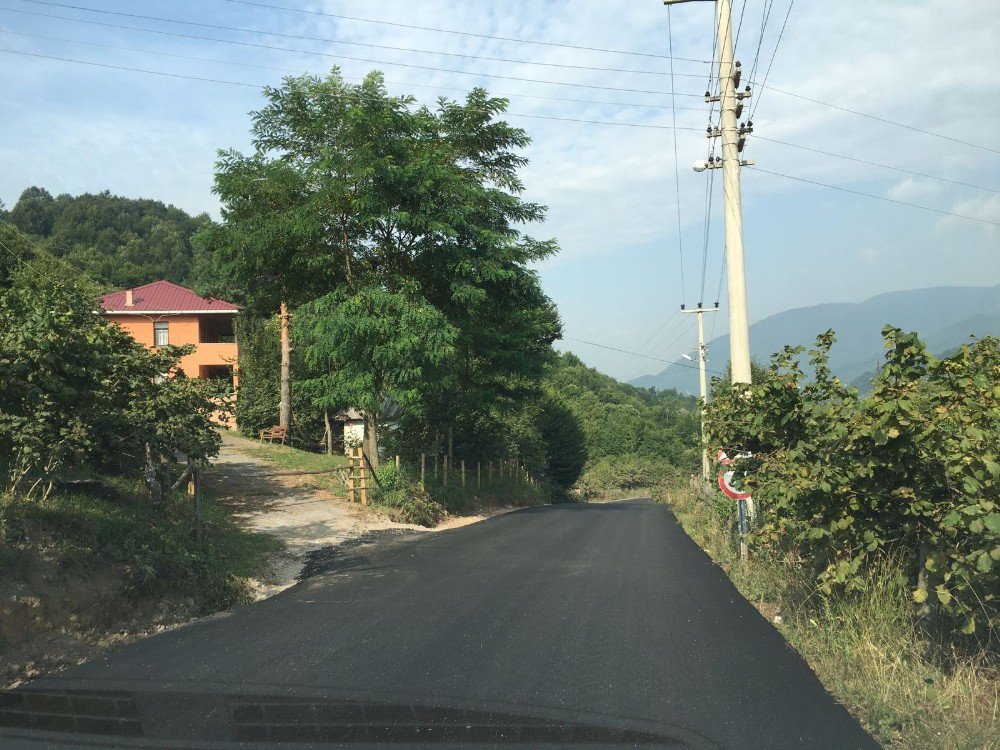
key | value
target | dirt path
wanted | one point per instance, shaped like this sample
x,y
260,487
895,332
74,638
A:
x,y
279,503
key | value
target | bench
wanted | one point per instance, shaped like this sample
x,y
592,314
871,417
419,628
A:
x,y
274,433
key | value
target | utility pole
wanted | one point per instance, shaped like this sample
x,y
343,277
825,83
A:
x,y
703,380
285,390
733,135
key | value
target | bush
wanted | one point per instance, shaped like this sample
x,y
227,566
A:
x,y
410,505
154,549
911,469
618,475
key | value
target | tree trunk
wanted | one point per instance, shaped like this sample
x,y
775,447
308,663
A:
x,y
451,443
371,437
328,435
285,403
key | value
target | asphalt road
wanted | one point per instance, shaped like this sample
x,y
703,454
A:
x,y
604,613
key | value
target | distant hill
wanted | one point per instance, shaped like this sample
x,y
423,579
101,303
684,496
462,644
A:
x,y
943,316
118,242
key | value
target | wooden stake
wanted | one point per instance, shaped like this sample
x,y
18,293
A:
x,y
363,477
423,459
397,462
350,477
463,473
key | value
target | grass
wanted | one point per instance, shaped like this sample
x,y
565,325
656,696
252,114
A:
x,y
401,497
912,690
153,549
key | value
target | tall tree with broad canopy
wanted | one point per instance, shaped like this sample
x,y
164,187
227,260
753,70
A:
x,y
392,228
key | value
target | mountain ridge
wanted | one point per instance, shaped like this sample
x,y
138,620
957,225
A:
x,y
944,317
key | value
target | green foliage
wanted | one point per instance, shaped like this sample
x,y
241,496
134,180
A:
x,y
78,393
15,249
392,232
368,344
153,548
626,473
119,242
912,468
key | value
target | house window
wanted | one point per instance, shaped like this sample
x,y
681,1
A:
x,y
160,334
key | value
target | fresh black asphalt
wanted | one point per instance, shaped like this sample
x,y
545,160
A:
x,y
601,613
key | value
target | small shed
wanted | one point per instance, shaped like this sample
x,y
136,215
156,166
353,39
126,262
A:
x,y
354,426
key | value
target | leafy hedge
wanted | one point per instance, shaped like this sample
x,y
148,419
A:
x,y
912,469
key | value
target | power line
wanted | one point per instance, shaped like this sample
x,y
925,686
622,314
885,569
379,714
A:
x,y
875,117
766,12
679,333
512,114
465,33
877,164
258,86
297,71
257,45
774,52
304,37
677,175
132,70
878,197
625,351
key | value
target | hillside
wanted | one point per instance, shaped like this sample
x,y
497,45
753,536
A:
x,y
116,241
943,316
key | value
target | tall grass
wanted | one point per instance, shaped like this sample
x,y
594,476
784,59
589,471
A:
x,y
912,688
153,548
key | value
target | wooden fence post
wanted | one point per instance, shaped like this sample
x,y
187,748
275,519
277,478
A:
x,y
397,462
463,473
423,459
350,476
363,478
197,504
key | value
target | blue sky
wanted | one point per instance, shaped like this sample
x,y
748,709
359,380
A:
x,y
610,189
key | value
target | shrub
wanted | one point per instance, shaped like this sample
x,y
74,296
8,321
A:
x,y
911,469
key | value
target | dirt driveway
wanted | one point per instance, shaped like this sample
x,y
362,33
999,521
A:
x,y
280,503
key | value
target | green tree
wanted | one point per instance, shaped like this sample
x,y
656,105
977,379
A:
x,y
35,212
354,193
15,249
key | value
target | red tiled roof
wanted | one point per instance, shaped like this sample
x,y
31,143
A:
x,y
163,296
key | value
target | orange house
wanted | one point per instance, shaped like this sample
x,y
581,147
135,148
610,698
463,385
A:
x,y
162,314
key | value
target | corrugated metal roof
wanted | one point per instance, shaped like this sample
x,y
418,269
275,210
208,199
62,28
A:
x,y
164,296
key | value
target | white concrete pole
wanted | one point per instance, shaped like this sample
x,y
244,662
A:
x,y
702,379
739,328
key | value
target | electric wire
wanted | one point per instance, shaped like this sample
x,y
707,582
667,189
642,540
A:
x,y
878,197
766,13
558,83
625,351
643,346
257,45
755,105
298,71
259,86
305,37
510,114
465,33
878,164
877,118
677,174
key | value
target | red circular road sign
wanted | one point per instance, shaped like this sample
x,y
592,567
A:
x,y
726,477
